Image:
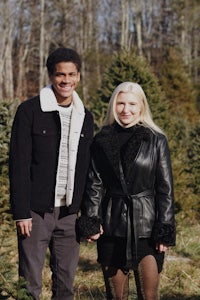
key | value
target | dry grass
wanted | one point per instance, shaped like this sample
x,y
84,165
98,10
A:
x,y
180,278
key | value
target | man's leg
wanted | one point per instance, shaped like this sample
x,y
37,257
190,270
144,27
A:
x,y
64,249
32,251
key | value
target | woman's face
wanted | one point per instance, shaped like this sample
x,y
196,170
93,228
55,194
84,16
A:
x,y
128,109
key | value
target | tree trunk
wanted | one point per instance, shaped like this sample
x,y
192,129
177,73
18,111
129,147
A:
x,y
6,64
138,27
8,80
41,74
124,24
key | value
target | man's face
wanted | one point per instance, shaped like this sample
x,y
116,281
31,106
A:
x,y
64,81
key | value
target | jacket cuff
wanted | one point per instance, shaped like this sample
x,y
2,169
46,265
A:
x,y
88,226
165,234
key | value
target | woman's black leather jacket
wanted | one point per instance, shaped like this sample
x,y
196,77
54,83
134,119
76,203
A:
x,y
146,201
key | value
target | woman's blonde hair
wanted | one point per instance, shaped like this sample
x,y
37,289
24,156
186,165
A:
x,y
145,115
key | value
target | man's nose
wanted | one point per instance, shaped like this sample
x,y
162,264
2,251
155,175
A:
x,y
66,78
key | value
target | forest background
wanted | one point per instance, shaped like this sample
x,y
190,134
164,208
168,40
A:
x,y
153,42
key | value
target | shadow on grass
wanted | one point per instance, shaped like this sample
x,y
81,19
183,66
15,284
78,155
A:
x,y
97,294
92,290
180,297
86,265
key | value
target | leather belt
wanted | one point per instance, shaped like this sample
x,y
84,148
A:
x,y
133,217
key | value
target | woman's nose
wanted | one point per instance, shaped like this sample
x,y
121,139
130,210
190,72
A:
x,y
125,108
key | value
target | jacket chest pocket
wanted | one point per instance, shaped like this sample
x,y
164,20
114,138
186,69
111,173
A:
x,y
45,139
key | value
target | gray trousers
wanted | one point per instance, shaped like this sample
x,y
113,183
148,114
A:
x,y
59,235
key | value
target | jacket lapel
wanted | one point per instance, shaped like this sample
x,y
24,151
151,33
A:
x,y
77,119
107,139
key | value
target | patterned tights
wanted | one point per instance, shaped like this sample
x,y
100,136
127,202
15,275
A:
x,y
146,278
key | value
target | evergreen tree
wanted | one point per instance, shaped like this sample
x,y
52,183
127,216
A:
x,y
185,198
128,66
6,119
178,87
8,286
194,165
180,92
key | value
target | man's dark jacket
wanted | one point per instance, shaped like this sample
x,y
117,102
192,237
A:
x,y
34,149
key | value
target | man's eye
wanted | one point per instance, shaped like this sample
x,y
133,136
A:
x,y
58,74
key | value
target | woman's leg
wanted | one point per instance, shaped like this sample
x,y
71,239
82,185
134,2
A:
x,y
116,282
147,279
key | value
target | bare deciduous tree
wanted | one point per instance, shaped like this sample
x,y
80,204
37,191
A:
x,y
31,29
124,24
6,58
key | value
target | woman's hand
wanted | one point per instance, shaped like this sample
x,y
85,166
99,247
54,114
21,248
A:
x,y
95,236
161,247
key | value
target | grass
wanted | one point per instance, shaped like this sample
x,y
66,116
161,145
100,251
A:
x,y
180,278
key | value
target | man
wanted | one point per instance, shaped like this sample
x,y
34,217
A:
x,y
49,157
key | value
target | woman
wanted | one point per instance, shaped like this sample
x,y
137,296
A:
x,y
129,194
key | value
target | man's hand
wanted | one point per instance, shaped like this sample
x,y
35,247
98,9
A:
x,y
24,227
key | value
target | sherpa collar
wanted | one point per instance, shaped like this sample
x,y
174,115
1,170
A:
x,y
48,100
49,103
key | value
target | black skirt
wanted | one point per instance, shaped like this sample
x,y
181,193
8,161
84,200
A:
x,y
112,252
